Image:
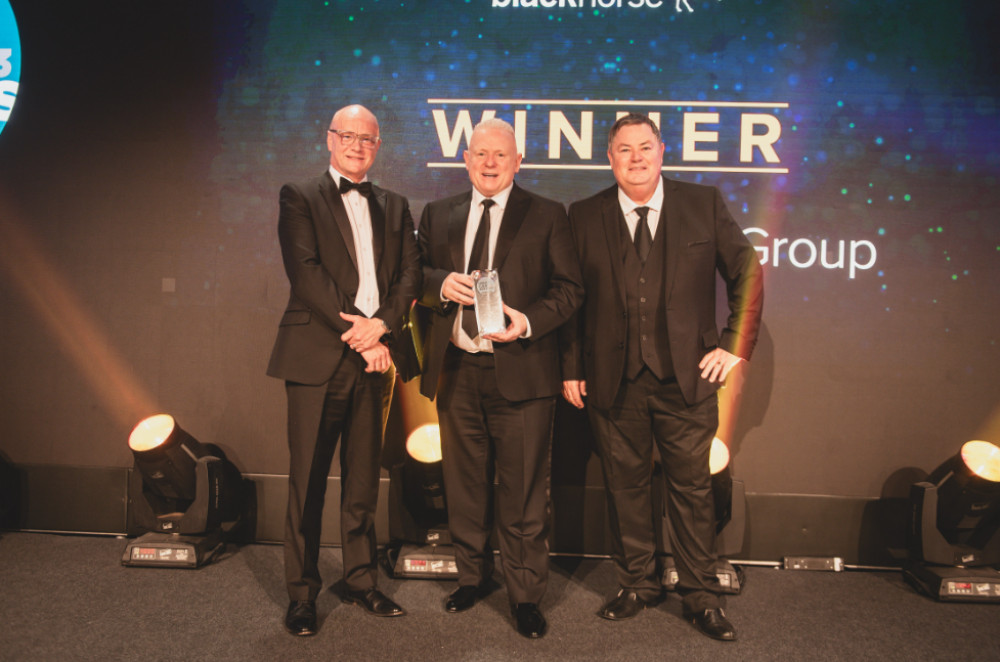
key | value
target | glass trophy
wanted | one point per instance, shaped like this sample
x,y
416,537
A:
x,y
489,305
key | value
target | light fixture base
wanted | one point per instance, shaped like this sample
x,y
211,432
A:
x,y
951,584
412,561
166,550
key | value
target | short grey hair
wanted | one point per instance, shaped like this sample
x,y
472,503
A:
x,y
494,123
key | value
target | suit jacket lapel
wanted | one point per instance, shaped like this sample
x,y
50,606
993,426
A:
x,y
513,215
456,231
335,203
376,210
611,214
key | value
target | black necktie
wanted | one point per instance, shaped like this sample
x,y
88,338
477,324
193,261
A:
x,y
643,239
479,258
364,188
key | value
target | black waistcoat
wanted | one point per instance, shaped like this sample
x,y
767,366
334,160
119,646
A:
x,y
647,343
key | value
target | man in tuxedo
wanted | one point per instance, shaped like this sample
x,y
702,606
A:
x,y
496,393
646,354
350,255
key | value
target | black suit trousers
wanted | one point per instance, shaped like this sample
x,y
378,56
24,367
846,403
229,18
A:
x,y
647,411
484,435
352,408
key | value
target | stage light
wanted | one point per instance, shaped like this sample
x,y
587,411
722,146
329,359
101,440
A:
x,y
722,484
954,527
420,545
184,493
729,496
423,482
424,443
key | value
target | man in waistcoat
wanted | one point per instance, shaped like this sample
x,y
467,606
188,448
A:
x,y
646,356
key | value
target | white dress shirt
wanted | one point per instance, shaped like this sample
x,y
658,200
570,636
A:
x,y
367,299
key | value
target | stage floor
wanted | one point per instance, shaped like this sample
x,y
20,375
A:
x,y
68,598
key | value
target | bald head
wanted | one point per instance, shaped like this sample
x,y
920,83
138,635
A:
x,y
354,111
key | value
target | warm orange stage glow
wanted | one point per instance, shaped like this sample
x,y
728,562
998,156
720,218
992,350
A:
x,y
424,443
77,332
983,459
151,432
718,458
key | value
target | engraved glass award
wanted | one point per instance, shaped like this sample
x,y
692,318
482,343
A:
x,y
489,305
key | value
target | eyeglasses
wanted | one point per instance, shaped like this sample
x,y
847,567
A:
x,y
347,139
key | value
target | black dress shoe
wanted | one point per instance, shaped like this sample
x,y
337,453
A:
x,y
464,597
713,623
374,602
461,598
530,622
300,619
626,605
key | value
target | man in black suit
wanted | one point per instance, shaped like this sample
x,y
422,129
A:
x,y
496,392
646,354
352,263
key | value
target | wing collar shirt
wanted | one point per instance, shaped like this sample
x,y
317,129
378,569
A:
x,y
367,299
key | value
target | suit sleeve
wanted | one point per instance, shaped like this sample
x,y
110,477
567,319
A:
x,y
395,306
571,332
740,268
310,282
565,292
433,276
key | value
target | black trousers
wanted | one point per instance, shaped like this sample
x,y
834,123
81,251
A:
x,y
485,435
352,408
648,411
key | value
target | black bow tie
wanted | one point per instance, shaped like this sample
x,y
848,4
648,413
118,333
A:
x,y
364,188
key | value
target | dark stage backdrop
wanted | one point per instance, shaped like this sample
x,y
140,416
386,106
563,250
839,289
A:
x,y
857,143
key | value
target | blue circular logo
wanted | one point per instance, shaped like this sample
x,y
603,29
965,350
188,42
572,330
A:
x,y
10,61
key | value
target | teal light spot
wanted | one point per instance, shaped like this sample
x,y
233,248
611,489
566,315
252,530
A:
x,y
350,18
318,62
881,232
954,276
908,157
843,191
357,52
940,229
906,197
